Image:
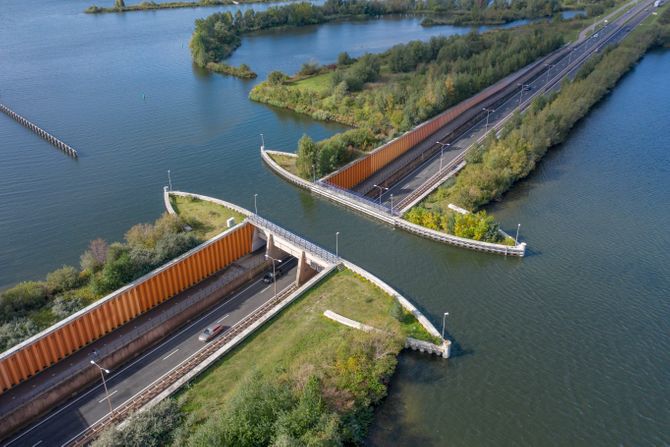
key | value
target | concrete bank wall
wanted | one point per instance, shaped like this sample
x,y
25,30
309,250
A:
x,y
359,205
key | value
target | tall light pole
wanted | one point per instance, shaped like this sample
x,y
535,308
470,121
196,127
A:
x,y
262,142
488,112
256,204
516,239
443,145
169,180
337,244
391,204
381,191
274,271
444,321
104,384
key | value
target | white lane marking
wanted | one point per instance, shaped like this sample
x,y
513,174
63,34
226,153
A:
x,y
168,356
142,390
37,443
110,395
221,319
140,358
265,289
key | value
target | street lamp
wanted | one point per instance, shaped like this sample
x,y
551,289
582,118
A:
x,y
337,244
381,191
104,384
262,142
274,271
516,239
549,68
255,204
169,180
488,112
391,204
444,320
443,145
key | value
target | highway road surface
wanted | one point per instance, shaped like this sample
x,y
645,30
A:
x,y
67,421
611,34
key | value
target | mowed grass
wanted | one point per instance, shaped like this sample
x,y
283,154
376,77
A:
x,y
206,218
319,83
287,162
297,343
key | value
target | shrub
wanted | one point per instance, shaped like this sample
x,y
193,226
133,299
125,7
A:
x,y
344,59
65,278
22,298
151,428
64,306
16,331
276,78
309,68
96,255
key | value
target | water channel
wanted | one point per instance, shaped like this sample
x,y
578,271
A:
x,y
569,346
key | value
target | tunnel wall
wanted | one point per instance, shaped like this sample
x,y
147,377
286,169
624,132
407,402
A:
x,y
69,335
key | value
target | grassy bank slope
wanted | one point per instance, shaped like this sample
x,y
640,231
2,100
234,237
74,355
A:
x,y
207,219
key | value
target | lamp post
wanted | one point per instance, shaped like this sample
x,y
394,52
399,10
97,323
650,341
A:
x,y
444,321
381,191
488,112
443,145
337,244
391,204
255,204
104,384
274,271
262,142
169,180
516,239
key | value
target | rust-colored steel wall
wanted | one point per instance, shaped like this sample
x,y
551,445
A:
x,y
121,306
359,170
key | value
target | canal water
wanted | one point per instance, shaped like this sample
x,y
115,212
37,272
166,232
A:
x,y
569,346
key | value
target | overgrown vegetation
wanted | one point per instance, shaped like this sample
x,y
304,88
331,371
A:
x,y
388,93
218,35
32,306
120,6
243,71
478,226
302,380
494,167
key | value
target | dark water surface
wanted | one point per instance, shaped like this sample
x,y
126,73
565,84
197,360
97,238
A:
x,y
569,346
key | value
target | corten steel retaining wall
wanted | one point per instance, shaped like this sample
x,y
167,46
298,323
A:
x,y
120,351
358,170
66,337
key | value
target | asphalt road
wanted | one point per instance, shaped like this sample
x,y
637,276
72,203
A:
x,y
609,35
67,421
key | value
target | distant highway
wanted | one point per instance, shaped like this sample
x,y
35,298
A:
x,y
64,423
609,35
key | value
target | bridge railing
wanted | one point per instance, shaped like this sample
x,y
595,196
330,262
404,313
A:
x,y
301,242
362,199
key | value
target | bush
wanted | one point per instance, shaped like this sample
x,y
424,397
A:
x,y
344,59
22,298
151,428
309,68
64,306
277,78
65,278
96,255
14,332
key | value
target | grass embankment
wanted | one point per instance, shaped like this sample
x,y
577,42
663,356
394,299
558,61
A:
x,y
286,161
499,163
302,379
207,219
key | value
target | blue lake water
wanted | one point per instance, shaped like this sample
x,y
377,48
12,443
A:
x,y
568,346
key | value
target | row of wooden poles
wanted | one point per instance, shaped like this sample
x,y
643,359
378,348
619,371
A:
x,y
67,149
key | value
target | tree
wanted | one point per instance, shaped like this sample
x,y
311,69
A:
x,y
344,59
96,255
65,278
276,77
308,155
119,4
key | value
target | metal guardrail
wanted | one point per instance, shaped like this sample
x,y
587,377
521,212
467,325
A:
x,y
311,247
140,399
366,201
129,337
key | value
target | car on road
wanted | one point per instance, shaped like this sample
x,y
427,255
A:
x,y
211,332
280,270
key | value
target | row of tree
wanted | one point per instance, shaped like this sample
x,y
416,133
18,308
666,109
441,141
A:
x,y
499,163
